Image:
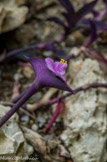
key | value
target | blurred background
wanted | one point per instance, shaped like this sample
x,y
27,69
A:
x,y
79,133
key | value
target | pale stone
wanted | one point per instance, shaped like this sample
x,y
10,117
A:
x,y
36,140
11,15
21,2
27,71
12,138
86,119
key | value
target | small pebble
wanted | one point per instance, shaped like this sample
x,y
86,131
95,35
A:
x,y
25,118
27,72
31,122
34,127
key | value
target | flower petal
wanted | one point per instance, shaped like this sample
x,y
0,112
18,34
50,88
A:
x,y
50,64
59,67
62,72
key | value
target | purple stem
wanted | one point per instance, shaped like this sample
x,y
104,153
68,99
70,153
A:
x,y
71,56
81,88
20,102
93,54
14,100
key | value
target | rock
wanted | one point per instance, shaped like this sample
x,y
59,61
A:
x,y
25,119
12,141
27,72
48,147
36,140
11,15
47,54
75,38
20,2
85,117
29,37
34,127
41,120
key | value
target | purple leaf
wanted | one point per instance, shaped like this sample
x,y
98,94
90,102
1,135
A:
x,y
105,1
68,5
60,107
103,13
50,46
95,13
93,54
72,19
85,10
99,16
60,22
93,36
60,53
100,26
68,18
57,20
18,54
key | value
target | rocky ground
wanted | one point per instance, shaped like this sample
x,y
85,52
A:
x,y
79,134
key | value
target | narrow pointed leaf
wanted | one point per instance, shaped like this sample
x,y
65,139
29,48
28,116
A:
x,y
68,18
101,15
101,60
56,20
85,10
50,46
100,25
60,107
95,13
20,53
93,35
105,1
30,51
68,5
60,53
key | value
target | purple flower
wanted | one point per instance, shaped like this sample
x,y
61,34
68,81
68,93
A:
x,y
57,68
44,78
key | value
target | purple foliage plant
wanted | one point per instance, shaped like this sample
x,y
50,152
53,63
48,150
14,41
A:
x,y
76,19
51,74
